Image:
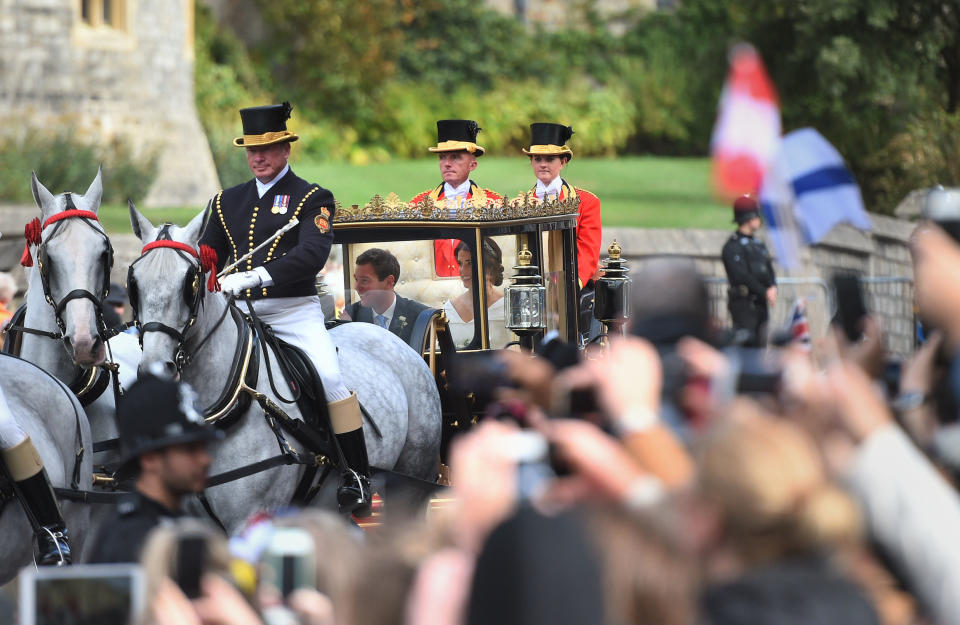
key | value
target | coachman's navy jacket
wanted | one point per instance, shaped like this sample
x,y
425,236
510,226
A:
x,y
240,221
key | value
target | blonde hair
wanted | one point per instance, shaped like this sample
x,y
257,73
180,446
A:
x,y
768,480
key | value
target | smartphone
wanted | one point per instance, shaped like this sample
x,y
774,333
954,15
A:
x,y
82,594
191,563
850,305
289,561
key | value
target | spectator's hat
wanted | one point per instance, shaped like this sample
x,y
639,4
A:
x,y
156,413
457,135
745,208
117,296
265,125
547,139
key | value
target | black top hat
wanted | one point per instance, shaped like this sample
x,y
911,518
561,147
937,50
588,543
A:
x,y
265,125
455,135
156,413
745,208
547,138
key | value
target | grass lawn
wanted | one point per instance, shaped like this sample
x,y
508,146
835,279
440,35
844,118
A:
x,y
640,191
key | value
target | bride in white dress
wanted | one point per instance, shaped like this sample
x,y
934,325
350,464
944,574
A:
x,y
459,310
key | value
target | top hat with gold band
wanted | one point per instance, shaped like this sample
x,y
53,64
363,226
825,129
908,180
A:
x,y
455,135
265,125
548,139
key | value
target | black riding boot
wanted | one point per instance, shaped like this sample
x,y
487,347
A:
x,y
39,503
353,495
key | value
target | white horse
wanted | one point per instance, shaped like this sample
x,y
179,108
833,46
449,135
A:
x,y
66,287
53,418
392,381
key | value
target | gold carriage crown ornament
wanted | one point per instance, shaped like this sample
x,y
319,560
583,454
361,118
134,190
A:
x,y
393,209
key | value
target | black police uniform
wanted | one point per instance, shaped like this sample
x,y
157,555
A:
x,y
122,537
750,273
152,415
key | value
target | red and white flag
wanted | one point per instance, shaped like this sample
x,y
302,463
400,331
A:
x,y
748,128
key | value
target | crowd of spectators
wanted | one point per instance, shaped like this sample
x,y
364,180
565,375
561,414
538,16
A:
x,y
690,488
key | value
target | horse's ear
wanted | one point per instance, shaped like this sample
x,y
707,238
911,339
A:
x,y
41,195
192,231
94,192
141,225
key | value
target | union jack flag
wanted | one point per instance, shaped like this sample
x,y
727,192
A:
x,y
798,326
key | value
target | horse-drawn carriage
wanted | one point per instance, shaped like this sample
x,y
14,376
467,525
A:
x,y
535,244
405,391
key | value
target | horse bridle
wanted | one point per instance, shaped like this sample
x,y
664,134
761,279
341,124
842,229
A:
x,y
192,292
43,264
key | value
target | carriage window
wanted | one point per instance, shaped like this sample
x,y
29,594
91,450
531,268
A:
x,y
330,283
499,335
555,281
420,283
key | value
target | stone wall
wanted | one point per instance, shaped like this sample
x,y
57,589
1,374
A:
x,y
881,258
132,78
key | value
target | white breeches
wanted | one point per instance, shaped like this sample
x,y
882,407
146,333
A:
x,y
10,431
299,321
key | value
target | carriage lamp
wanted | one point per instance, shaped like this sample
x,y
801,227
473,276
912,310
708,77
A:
x,y
525,300
612,294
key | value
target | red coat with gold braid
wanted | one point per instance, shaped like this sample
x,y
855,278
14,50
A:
x,y
444,249
588,230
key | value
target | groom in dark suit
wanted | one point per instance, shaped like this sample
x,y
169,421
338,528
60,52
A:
x,y
376,274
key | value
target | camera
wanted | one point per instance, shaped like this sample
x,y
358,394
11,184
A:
x,y
83,594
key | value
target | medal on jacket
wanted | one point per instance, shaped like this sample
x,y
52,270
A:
x,y
280,204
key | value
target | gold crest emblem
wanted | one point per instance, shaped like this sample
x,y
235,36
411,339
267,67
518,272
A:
x,y
322,223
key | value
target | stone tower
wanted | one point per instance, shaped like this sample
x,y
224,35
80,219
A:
x,y
111,68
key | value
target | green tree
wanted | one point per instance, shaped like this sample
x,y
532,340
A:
x,y
332,56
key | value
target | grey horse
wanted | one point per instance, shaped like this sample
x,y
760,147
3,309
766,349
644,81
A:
x,y
53,418
392,381
74,258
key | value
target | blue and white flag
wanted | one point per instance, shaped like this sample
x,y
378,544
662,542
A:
x,y
807,191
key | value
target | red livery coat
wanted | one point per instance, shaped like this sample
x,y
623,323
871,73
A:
x,y
444,255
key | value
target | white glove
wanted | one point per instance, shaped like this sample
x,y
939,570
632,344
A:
x,y
236,283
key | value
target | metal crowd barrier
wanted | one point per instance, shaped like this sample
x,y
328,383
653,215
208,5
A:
x,y
888,297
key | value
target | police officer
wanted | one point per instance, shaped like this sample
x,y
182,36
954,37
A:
x,y
279,280
457,153
750,274
163,445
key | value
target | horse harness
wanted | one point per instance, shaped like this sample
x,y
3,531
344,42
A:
x,y
88,383
192,293
240,391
